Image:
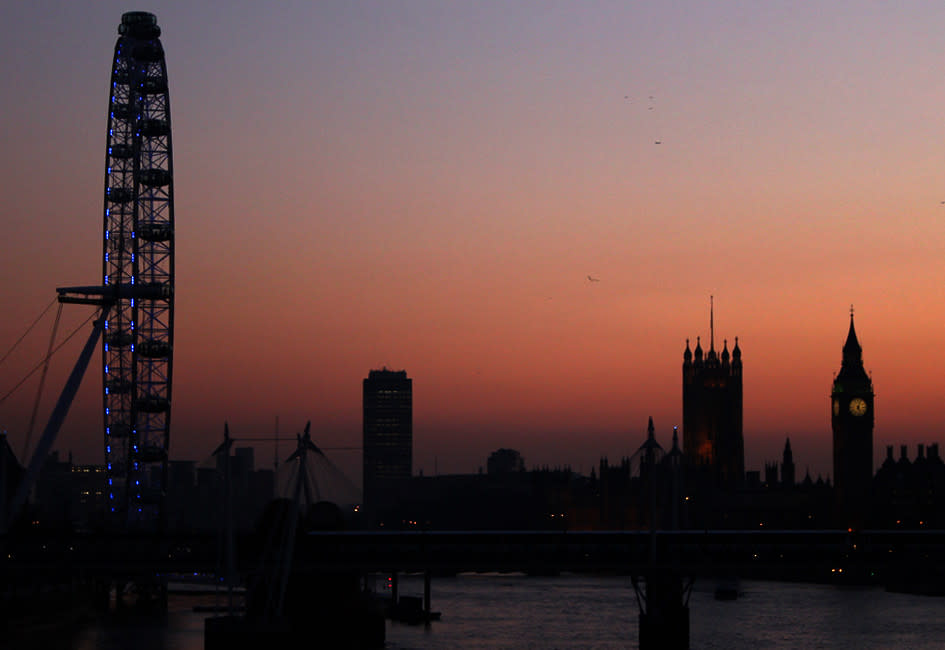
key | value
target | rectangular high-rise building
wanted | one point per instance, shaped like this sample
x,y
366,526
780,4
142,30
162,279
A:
x,y
388,433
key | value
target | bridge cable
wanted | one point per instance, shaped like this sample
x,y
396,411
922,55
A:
x,y
28,329
42,382
40,364
347,483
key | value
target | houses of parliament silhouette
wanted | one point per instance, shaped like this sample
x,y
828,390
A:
x,y
713,436
902,493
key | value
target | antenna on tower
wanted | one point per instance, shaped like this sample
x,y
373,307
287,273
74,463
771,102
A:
x,y
711,322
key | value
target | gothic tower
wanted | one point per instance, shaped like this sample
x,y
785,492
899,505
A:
x,y
852,423
787,465
712,411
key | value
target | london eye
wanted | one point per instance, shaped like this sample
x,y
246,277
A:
x,y
137,295
138,260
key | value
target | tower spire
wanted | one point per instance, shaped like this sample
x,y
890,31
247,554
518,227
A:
x,y
852,352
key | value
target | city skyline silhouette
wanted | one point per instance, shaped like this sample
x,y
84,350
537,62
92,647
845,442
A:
x,y
474,195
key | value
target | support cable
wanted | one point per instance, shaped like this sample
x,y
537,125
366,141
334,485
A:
x,y
28,329
40,364
346,483
55,421
42,382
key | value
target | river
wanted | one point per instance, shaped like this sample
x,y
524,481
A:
x,y
577,612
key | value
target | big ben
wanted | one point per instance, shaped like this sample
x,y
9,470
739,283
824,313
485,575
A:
x,y
851,403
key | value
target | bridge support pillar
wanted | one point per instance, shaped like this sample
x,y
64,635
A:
x,y
394,589
426,593
664,611
101,594
120,595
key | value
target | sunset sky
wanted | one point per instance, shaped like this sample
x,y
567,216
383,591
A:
x,y
428,185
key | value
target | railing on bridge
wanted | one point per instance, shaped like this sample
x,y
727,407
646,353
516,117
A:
x,y
695,552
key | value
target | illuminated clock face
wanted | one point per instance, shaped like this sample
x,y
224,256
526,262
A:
x,y
857,406
836,407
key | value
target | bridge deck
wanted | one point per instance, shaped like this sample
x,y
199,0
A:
x,y
693,552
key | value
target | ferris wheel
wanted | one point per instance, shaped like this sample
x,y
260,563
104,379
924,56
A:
x,y
138,273
137,294
136,297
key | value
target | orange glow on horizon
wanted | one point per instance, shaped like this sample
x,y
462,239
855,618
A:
x,y
431,190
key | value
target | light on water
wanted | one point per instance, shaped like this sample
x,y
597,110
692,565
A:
x,y
597,612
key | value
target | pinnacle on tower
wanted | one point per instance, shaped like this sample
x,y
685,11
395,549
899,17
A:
x,y
851,349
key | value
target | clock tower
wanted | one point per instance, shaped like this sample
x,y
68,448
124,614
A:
x,y
851,403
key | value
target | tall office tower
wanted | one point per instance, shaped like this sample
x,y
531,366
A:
x,y
712,412
388,433
852,423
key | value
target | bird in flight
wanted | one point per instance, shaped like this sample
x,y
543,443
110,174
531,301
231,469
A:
x,y
591,279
